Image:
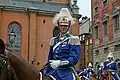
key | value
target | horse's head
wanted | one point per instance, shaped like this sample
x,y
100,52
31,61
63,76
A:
x,y
3,67
6,70
14,67
3,62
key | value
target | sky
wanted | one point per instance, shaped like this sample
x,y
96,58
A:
x,y
85,7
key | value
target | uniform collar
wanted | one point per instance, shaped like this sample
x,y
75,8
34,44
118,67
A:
x,y
63,36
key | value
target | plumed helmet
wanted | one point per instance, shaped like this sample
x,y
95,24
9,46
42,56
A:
x,y
89,65
110,55
63,18
64,21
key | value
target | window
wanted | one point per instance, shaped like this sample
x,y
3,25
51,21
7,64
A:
x,y
95,2
105,28
104,3
96,32
117,47
96,10
114,0
43,21
116,22
90,30
105,50
14,42
96,16
80,38
49,0
96,52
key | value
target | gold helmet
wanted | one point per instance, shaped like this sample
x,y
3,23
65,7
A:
x,y
64,21
63,18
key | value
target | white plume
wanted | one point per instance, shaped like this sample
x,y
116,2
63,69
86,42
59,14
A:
x,y
63,12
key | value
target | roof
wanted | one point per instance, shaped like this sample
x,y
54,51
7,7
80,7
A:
x,y
42,6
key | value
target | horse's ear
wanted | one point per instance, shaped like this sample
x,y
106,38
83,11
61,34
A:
x,y
2,46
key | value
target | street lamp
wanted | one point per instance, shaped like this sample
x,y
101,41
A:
x,y
12,38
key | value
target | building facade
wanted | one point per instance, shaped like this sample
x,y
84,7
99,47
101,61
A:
x,y
26,26
106,29
86,42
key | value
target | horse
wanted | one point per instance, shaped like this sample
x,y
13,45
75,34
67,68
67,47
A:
x,y
107,75
90,78
93,77
6,72
17,68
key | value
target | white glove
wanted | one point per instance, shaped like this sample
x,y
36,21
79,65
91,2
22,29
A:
x,y
54,63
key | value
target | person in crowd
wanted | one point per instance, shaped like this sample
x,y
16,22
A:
x,y
64,49
111,66
90,70
100,72
85,74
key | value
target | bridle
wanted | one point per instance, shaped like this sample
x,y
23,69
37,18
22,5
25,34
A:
x,y
3,62
6,68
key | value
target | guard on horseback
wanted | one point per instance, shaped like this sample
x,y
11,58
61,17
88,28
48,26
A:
x,y
83,74
90,70
64,49
111,66
100,72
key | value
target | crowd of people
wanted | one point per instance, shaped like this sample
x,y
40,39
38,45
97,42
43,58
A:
x,y
86,73
107,70
64,54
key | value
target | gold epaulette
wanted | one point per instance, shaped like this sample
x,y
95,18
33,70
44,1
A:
x,y
74,40
52,41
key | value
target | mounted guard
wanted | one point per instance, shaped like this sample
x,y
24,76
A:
x,y
100,72
90,70
64,49
111,66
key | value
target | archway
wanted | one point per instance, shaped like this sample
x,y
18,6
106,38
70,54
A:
x,y
97,66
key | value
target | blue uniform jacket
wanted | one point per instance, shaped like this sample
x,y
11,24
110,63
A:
x,y
110,65
79,72
90,71
69,49
100,72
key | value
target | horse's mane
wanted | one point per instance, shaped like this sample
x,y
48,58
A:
x,y
18,62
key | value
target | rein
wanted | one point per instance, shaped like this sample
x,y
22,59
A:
x,y
3,62
47,77
4,67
